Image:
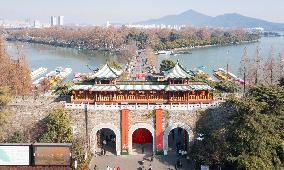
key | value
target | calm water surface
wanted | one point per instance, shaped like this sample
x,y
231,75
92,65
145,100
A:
x,y
211,58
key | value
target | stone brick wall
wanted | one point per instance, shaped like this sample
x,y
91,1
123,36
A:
x,y
28,116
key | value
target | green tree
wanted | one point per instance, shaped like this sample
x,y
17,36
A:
x,y
281,82
226,86
4,100
4,112
17,137
64,89
166,65
4,97
244,133
58,127
78,154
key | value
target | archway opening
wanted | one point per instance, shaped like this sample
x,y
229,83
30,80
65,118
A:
x,y
142,141
106,141
177,141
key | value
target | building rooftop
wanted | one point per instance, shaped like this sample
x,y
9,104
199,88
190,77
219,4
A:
x,y
177,72
126,87
106,72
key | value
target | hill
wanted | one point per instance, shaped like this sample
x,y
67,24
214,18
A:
x,y
232,20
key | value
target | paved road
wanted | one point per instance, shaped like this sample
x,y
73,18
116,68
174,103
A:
x,y
134,162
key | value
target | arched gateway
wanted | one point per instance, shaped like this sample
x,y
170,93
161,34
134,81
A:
x,y
174,90
94,139
169,129
140,126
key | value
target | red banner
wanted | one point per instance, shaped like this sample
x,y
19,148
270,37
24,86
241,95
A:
x,y
124,129
159,129
140,76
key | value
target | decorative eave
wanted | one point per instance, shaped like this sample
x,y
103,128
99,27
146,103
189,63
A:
x,y
146,87
106,72
177,72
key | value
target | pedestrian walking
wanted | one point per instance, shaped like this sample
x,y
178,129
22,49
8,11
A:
x,y
142,149
150,167
95,167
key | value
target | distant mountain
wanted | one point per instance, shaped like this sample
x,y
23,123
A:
x,y
189,17
233,20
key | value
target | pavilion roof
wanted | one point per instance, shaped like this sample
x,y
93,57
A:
x,y
127,87
188,87
106,72
177,72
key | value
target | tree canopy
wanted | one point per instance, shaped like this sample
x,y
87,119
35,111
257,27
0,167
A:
x,y
15,74
166,65
111,38
244,133
58,127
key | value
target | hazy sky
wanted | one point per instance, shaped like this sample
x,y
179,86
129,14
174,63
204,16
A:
x,y
126,11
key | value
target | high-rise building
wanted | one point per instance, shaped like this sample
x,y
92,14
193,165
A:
x,y
36,24
60,20
53,21
107,24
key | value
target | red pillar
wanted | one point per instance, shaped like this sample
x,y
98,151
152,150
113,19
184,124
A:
x,y
159,130
124,131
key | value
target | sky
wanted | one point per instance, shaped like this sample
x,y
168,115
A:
x,y
127,11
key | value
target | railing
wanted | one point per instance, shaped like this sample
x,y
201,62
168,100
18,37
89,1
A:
x,y
141,106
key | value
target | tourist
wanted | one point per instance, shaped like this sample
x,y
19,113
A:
x,y
150,167
142,149
178,164
95,167
118,168
179,152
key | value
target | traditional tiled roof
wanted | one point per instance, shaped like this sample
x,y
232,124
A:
x,y
81,87
104,87
188,87
200,87
141,87
177,72
173,87
106,72
178,88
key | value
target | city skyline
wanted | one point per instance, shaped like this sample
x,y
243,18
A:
x,y
127,11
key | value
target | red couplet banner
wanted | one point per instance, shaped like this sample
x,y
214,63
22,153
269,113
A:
x,y
124,129
159,129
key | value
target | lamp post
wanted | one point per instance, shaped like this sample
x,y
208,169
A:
x,y
244,83
86,125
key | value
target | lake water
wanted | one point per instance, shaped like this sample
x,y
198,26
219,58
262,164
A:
x,y
211,58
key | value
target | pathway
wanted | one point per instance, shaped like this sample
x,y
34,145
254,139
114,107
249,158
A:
x,y
134,162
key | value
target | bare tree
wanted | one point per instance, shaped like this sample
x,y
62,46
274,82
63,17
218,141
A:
x,y
151,58
280,66
4,64
127,53
255,73
270,69
15,73
244,64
